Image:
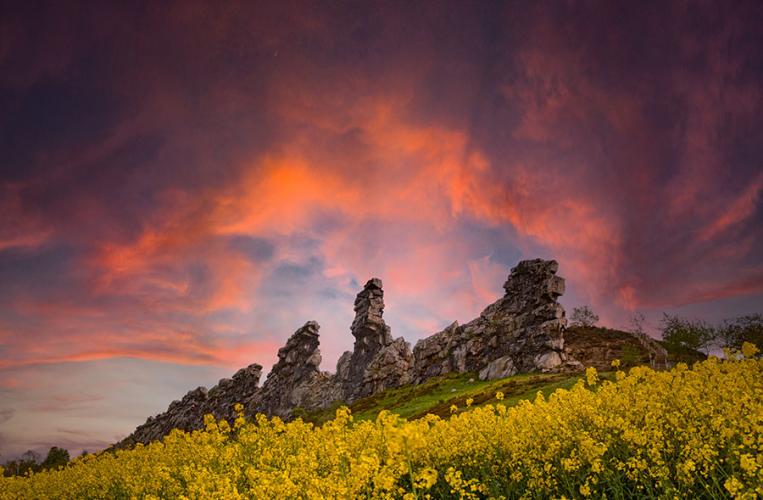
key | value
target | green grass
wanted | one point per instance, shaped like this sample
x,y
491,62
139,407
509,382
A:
x,y
436,395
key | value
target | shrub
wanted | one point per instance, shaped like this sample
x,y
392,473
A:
x,y
583,316
684,333
733,333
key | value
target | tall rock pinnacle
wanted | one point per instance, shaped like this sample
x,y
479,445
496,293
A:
x,y
298,363
377,361
369,329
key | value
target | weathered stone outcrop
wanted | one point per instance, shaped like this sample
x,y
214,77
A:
x,y
371,334
520,332
391,367
377,362
188,413
498,368
295,380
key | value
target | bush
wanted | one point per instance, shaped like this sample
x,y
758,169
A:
x,y
687,334
736,332
29,462
57,457
583,316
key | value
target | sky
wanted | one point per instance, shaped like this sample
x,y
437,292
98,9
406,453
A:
x,y
184,184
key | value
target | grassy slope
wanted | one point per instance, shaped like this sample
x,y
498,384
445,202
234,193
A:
x,y
438,394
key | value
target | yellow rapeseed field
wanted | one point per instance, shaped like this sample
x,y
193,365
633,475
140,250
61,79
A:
x,y
683,433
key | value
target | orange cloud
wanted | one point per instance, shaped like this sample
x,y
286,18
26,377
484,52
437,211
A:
x,y
238,355
739,210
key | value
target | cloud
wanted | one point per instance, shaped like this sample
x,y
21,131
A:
x,y
67,402
6,414
188,184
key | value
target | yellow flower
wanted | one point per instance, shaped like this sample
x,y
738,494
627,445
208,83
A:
x,y
469,402
733,485
585,490
499,396
748,463
453,408
426,478
623,434
749,350
591,375
615,363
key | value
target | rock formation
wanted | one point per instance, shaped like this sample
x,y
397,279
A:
x,y
520,332
377,362
294,379
188,413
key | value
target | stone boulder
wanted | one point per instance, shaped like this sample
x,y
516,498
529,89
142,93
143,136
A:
x,y
391,367
498,368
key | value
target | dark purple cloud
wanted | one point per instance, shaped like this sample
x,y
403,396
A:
x,y
187,182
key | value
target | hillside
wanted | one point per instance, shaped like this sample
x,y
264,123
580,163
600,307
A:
x,y
523,332
648,434
437,395
596,346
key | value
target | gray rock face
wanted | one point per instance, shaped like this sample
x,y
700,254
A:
x,y
370,331
188,413
523,329
391,367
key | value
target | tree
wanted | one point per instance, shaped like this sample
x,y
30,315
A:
x,y
27,462
583,316
683,333
57,457
637,323
735,332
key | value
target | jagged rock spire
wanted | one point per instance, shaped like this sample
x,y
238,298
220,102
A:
x,y
535,279
371,335
377,361
298,361
520,332
368,327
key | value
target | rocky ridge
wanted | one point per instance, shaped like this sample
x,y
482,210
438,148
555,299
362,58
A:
x,y
188,413
520,332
